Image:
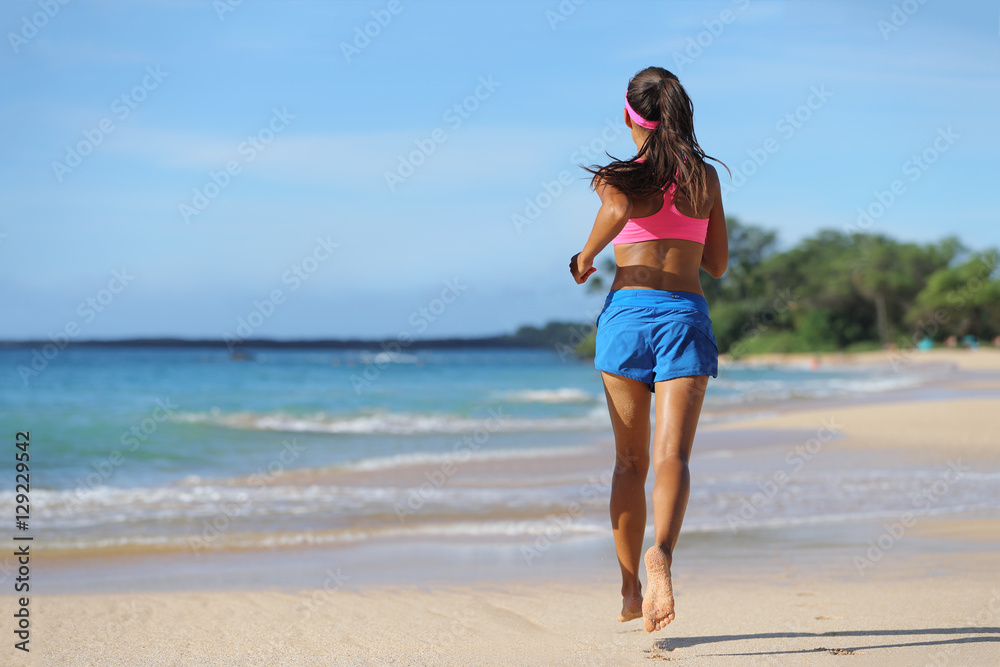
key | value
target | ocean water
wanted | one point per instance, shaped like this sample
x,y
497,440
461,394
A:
x,y
186,449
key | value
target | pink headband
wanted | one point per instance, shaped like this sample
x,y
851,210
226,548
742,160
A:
x,y
648,124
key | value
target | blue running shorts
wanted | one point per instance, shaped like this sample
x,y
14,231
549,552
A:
x,y
654,335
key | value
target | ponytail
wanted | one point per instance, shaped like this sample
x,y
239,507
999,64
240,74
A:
x,y
671,152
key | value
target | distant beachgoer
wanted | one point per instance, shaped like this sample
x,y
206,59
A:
x,y
951,341
970,342
662,212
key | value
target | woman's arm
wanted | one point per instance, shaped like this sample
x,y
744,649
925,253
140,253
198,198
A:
x,y
715,257
611,218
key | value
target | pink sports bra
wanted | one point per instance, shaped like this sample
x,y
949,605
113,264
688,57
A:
x,y
667,223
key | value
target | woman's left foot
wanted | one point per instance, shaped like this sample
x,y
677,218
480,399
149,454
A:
x,y
658,605
631,608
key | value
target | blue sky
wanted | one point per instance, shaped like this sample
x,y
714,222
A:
x,y
301,224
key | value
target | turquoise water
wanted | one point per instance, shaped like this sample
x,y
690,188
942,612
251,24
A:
x,y
226,418
168,447
175,413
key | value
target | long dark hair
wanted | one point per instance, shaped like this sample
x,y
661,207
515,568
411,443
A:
x,y
656,95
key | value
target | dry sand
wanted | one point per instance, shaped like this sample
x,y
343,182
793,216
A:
x,y
804,617
981,359
940,430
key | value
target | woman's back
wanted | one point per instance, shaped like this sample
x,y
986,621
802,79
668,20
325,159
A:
x,y
669,263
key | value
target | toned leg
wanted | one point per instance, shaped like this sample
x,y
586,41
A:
x,y
678,407
628,403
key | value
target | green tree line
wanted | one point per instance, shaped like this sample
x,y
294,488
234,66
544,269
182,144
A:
x,y
843,291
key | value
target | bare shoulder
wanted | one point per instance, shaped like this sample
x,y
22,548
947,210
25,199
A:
x,y
714,193
610,195
602,187
713,177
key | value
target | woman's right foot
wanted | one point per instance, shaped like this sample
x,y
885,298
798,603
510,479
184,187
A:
x,y
631,607
658,604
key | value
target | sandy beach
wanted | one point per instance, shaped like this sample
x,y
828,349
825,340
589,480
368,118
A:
x,y
929,611
982,359
920,588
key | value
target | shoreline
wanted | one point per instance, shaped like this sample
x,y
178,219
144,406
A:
x,y
749,551
780,423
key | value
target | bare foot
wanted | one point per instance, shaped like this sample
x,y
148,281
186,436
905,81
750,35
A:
x,y
631,608
658,604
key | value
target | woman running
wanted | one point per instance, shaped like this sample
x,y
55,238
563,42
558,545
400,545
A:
x,y
662,212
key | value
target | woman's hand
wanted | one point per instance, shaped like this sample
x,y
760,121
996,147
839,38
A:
x,y
581,268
